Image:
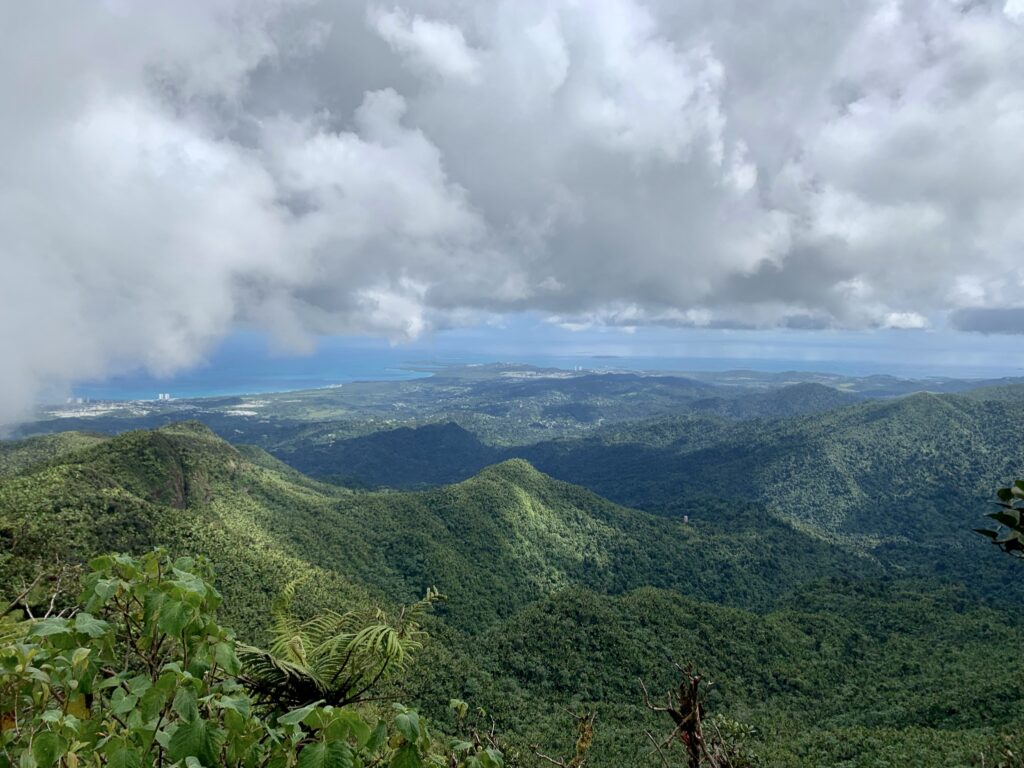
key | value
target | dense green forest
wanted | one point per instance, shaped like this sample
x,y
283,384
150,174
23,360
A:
x,y
901,479
833,636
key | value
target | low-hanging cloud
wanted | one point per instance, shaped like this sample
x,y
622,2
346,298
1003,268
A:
x,y
171,172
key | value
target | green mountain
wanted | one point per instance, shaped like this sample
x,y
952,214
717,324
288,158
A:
x,y
180,487
844,674
918,467
921,467
494,543
405,457
791,400
901,479
558,597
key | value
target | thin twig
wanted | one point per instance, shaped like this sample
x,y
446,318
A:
x,y
16,601
657,746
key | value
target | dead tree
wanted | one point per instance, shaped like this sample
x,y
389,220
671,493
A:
x,y
685,706
584,738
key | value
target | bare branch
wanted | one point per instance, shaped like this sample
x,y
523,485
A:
x,y
657,747
16,602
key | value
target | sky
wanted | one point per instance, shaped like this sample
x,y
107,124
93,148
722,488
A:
x,y
174,174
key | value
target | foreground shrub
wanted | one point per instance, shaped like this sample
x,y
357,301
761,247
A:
x,y
141,674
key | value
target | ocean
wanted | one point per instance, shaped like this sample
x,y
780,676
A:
x,y
247,364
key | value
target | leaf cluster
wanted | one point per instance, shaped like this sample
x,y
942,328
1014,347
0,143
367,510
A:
x,y
1009,536
140,674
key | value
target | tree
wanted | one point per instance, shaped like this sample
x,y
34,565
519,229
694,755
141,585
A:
x,y
714,743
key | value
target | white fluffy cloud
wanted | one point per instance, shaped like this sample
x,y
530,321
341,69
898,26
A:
x,y
431,47
172,172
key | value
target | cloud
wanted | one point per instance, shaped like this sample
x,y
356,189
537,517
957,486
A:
x,y
171,173
982,320
431,47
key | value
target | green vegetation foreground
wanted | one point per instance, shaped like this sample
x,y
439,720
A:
x,y
141,674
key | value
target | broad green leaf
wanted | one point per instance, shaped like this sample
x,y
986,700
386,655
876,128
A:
x,y
122,704
47,748
101,564
378,739
296,716
139,684
224,655
347,722
80,656
154,700
48,627
407,757
239,704
174,617
196,739
408,724
186,704
334,754
89,625
124,756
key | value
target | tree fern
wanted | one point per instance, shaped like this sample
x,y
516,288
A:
x,y
335,658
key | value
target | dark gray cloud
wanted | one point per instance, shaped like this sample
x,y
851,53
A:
x,y
171,172
983,320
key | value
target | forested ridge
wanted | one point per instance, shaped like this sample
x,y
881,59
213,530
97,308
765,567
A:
x,y
825,649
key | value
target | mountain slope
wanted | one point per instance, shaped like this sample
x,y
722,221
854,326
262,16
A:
x,y
494,543
791,400
510,534
179,487
558,597
903,480
406,457
16,456
920,465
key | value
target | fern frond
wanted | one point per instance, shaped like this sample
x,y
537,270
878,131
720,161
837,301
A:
x,y
332,657
287,641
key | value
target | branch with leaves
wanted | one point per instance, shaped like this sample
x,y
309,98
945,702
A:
x,y
1009,536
